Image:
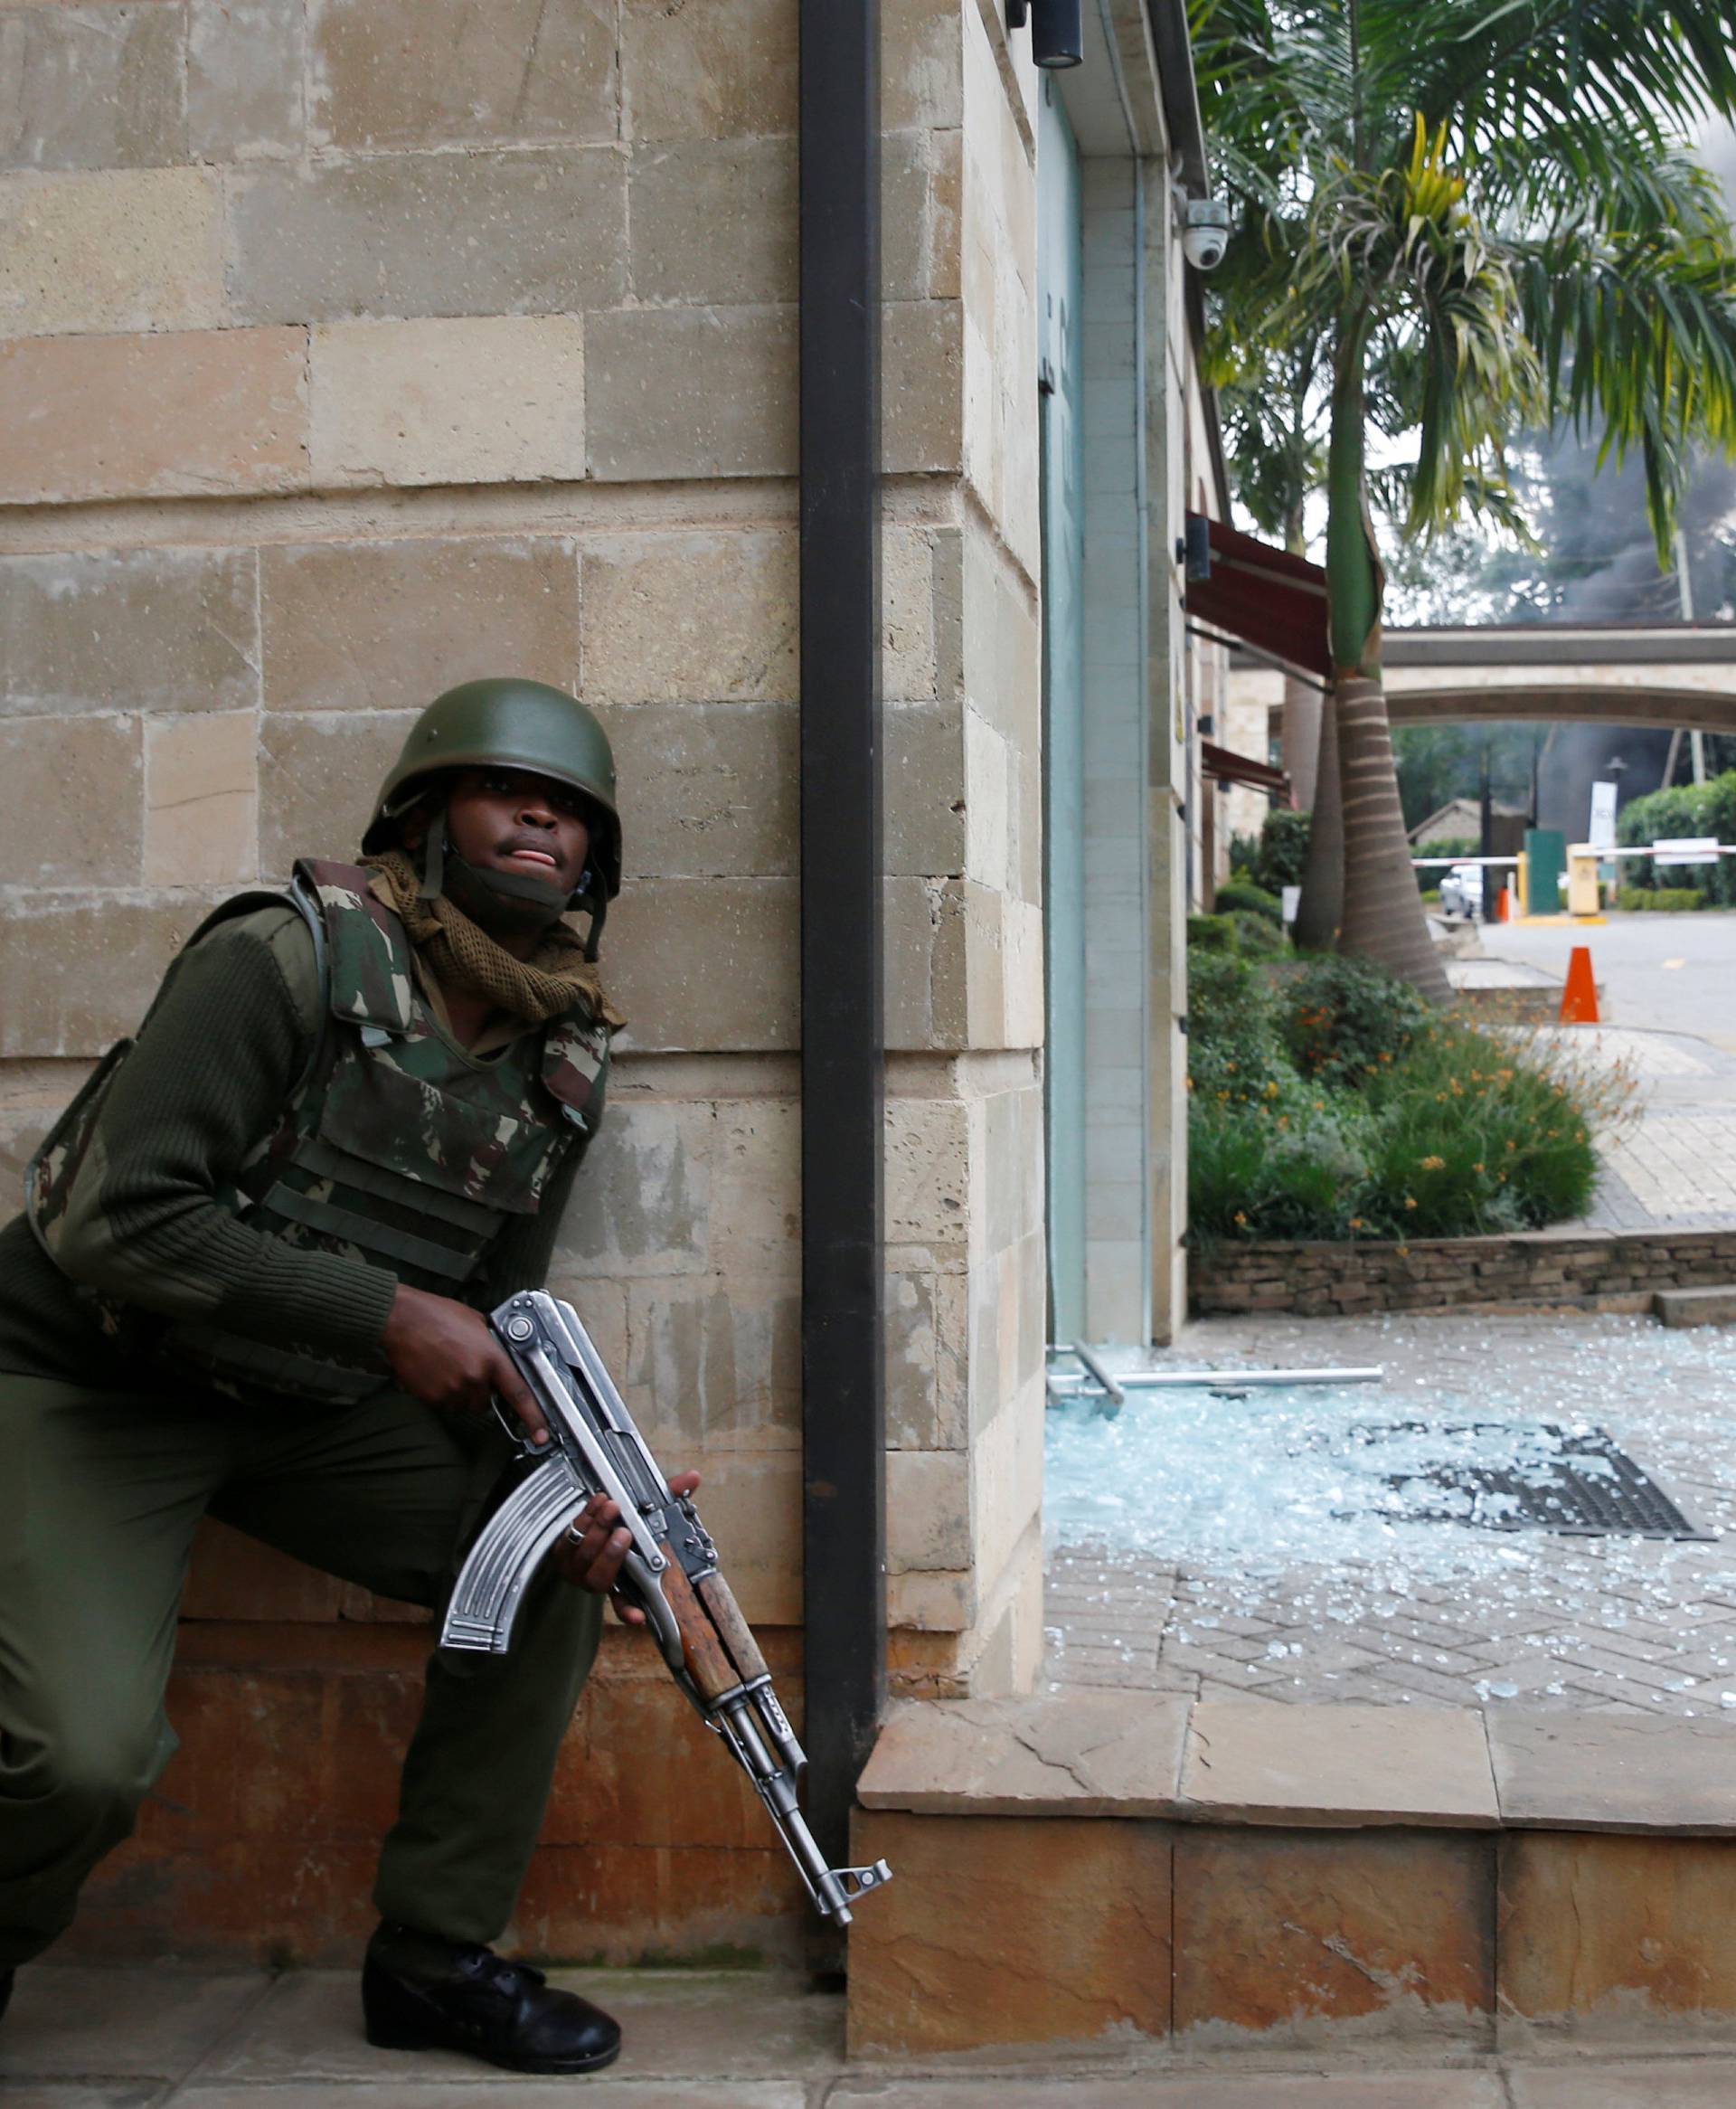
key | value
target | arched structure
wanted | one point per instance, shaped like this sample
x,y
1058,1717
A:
x,y
1678,674
1664,677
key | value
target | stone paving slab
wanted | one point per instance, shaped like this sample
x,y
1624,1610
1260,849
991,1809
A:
x,y
124,2024
1683,2084
601,2091
720,2040
1100,1754
1249,1761
1364,2090
1572,1771
309,2029
81,2095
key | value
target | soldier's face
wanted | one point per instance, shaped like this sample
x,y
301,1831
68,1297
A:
x,y
508,821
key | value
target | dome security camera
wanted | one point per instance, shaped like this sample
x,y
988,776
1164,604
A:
x,y
1205,232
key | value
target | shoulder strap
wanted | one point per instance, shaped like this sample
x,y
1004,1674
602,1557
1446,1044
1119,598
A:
x,y
296,897
367,963
248,903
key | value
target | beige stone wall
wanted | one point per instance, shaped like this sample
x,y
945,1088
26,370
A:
x,y
1244,720
354,347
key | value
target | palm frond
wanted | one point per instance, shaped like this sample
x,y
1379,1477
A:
x,y
1505,68
1637,335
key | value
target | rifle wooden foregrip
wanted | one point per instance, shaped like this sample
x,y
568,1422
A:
x,y
719,1599
708,1661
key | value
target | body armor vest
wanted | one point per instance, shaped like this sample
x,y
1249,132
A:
x,y
397,1147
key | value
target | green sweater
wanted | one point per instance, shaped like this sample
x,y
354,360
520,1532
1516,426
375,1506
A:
x,y
210,1078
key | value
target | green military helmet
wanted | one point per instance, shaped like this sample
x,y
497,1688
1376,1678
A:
x,y
513,724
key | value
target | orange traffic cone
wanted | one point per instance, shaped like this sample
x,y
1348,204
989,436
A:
x,y
1504,905
1579,998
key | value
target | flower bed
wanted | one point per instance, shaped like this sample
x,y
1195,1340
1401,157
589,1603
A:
x,y
1330,1101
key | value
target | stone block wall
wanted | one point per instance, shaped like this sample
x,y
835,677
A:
x,y
1609,1270
352,348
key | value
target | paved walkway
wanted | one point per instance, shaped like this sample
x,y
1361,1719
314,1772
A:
x,y
1671,1000
1201,1591
1673,1160
145,2039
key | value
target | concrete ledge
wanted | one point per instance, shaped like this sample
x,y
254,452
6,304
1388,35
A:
x,y
1614,1772
1272,1876
1254,1762
1093,1753
1695,1306
1144,1755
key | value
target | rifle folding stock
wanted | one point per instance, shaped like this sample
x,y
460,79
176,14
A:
x,y
670,1572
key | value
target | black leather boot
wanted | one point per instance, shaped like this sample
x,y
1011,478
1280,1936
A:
x,y
420,1992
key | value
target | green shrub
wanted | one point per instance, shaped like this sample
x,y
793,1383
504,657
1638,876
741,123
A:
x,y
1242,894
1235,1053
1475,1132
1333,1102
1243,850
1283,850
1211,934
1258,1171
1660,900
1345,1019
1683,810
1257,935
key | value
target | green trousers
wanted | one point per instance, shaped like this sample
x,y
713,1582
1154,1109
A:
x,y
99,1496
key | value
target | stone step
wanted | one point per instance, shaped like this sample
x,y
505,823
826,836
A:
x,y
1695,1306
1110,1869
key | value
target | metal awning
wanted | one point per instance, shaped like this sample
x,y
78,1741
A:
x,y
1228,768
1270,600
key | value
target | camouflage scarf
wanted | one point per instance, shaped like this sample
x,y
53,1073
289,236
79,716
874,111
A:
x,y
461,954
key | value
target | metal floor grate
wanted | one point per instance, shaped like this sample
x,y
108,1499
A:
x,y
1584,1487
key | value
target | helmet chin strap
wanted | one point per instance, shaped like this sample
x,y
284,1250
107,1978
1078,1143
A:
x,y
511,900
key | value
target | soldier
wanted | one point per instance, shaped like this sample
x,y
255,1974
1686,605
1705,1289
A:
x,y
248,1282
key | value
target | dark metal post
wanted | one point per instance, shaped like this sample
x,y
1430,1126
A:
x,y
844,1519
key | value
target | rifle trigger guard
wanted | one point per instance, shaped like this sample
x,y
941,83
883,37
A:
x,y
515,1431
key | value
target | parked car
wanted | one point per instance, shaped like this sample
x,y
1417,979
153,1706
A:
x,y
1461,890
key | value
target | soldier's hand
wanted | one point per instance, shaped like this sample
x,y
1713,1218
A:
x,y
598,1541
444,1354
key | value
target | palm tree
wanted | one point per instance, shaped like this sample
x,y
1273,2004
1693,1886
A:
x,y
1483,212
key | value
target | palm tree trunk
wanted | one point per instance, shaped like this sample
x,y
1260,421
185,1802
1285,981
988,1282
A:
x,y
1383,918
1321,910
1302,699
1302,715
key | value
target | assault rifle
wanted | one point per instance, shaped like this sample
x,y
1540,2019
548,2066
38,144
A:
x,y
670,1572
